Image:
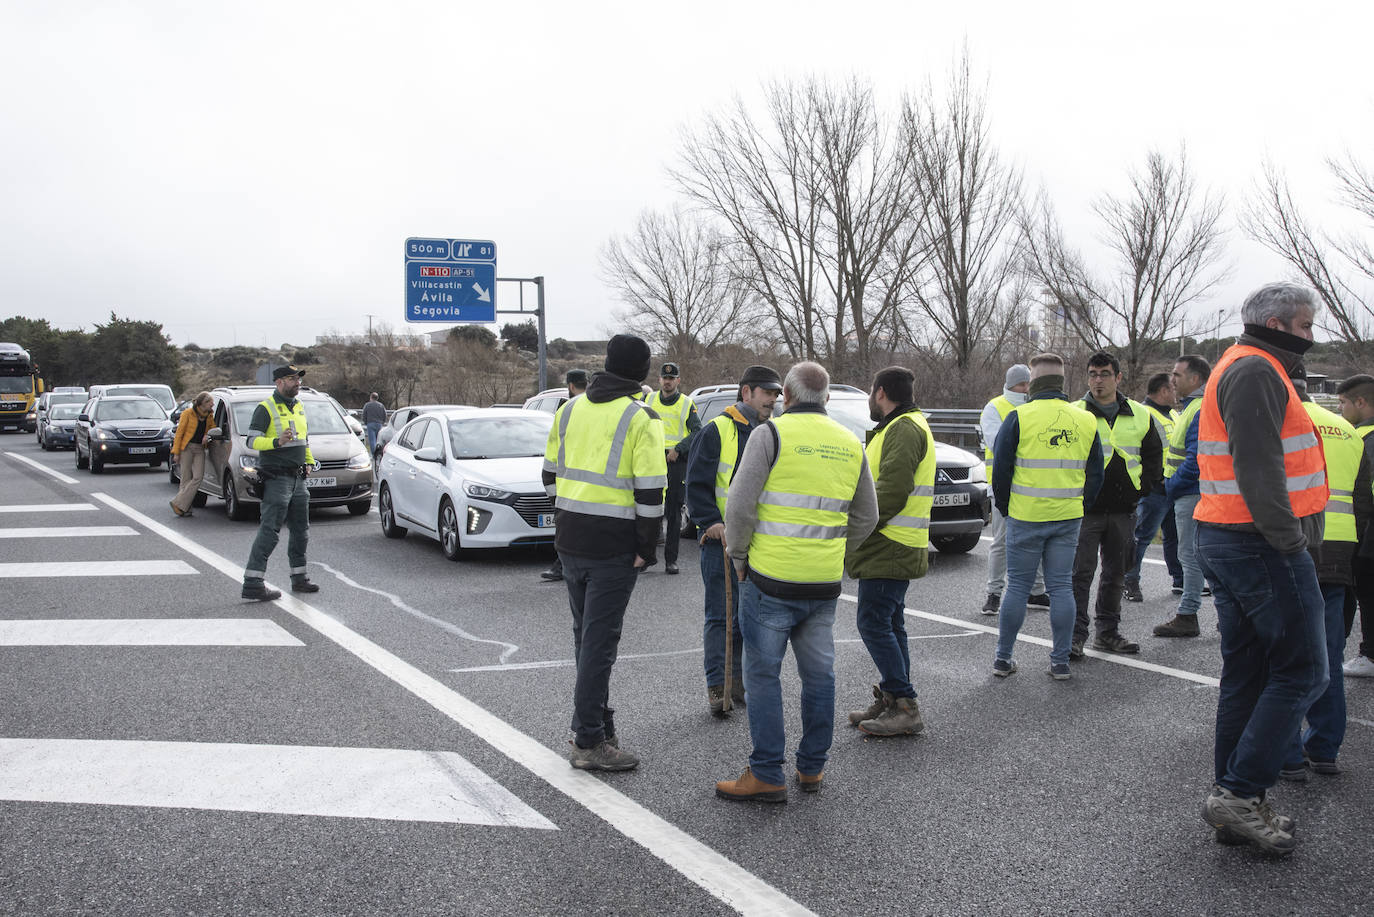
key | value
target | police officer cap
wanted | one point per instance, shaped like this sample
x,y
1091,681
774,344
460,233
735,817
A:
x,y
577,377
281,372
761,377
670,371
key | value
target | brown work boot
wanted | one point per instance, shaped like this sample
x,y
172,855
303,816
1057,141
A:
x,y
810,783
715,697
1178,626
748,787
901,718
880,701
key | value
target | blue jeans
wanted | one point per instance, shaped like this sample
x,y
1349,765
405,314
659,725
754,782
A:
x,y
1326,716
1188,555
1154,513
768,624
373,429
882,625
1050,546
712,565
1273,653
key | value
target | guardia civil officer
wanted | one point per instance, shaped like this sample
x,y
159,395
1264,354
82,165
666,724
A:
x,y
680,424
278,433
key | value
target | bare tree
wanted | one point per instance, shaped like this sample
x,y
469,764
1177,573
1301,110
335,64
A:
x,y
1166,238
973,198
1325,261
681,289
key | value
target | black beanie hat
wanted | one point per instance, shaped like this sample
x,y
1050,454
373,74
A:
x,y
628,356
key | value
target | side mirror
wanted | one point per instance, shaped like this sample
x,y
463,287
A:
x,y
84,418
430,454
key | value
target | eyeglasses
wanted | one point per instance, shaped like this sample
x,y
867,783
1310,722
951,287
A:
x,y
1108,374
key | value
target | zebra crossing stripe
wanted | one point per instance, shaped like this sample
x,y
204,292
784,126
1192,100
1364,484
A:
x,y
69,531
45,507
96,568
145,632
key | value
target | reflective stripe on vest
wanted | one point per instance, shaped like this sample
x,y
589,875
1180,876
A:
x,y
803,510
674,417
1052,455
729,452
597,464
1164,423
1221,500
279,417
1344,452
911,525
1177,452
1004,407
1123,437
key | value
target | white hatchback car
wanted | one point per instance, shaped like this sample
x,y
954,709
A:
x,y
468,478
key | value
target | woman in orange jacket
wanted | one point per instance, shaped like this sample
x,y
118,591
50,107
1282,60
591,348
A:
x,y
188,449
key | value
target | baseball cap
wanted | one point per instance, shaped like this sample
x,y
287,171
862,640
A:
x,y
281,372
761,377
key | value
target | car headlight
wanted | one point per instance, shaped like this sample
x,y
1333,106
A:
x,y
360,462
249,463
30,416
484,492
104,434
978,474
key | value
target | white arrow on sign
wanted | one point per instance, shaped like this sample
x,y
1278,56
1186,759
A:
x,y
482,295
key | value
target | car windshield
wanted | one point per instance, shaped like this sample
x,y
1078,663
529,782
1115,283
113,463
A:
x,y
64,411
499,437
132,409
15,385
159,393
76,398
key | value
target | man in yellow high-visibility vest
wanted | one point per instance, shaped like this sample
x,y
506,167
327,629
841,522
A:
x,y
680,424
995,413
1155,512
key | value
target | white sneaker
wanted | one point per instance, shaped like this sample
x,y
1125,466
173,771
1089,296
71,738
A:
x,y
1359,667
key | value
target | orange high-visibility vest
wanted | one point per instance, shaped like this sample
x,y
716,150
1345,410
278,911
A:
x,y
1304,461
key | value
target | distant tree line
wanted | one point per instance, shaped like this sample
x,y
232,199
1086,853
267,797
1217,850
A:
x,y
120,350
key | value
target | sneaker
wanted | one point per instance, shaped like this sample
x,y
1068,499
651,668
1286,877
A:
x,y
604,757
902,717
1178,585
715,698
1133,593
1178,626
258,592
1248,818
1294,774
670,569
553,574
1231,838
993,604
1059,671
1113,642
1003,667
175,509
1359,667
880,702
1206,590
750,788
1038,601
1076,650
810,783
1325,768
303,584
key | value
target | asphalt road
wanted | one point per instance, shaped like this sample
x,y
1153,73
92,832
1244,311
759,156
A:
x,y
397,744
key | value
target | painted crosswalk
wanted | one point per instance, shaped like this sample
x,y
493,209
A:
x,y
46,507
68,531
146,632
68,568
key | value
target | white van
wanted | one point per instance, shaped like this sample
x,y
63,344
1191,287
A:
x,y
162,394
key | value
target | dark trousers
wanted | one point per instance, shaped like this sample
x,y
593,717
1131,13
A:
x,y
598,592
1362,594
1112,535
284,500
673,499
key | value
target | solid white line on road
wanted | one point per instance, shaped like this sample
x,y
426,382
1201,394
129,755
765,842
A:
x,y
145,632
1127,661
45,507
43,468
712,872
68,568
392,784
69,531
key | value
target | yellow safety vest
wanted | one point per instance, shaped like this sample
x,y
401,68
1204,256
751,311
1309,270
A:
x,y
613,449
674,417
1004,407
1055,443
279,417
803,511
911,526
729,451
1164,423
1344,450
1123,437
1178,439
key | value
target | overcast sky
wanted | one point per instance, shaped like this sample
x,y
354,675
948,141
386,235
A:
x,y
247,172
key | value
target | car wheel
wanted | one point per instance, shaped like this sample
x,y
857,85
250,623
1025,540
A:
x,y
360,507
199,499
80,462
448,530
154,463
43,444
388,513
955,544
172,476
97,466
233,506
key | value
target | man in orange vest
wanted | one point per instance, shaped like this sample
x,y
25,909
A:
x,y
1263,492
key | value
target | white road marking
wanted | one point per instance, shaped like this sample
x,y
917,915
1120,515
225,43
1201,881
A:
x,y
392,784
711,871
508,649
145,632
45,507
70,531
1148,560
69,568
43,468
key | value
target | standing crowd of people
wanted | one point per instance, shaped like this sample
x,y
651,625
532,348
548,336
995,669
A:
x,y
1263,498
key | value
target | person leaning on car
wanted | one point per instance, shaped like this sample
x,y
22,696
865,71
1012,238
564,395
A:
x,y
278,433
188,451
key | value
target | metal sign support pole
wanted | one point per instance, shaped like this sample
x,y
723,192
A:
x,y
538,314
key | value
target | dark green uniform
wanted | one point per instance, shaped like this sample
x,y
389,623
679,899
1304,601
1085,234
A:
x,y
284,495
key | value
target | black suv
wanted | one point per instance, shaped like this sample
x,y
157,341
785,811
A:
x,y
121,430
963,500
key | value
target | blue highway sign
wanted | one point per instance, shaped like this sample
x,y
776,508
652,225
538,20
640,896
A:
x,y
450,280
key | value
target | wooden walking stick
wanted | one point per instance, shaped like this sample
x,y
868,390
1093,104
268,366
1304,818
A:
x,y
726,704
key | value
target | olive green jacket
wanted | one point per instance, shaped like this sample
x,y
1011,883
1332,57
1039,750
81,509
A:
x,y
879,557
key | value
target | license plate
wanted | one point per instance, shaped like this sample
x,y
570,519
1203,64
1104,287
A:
x,y
320,482
546,520
959,499
142,450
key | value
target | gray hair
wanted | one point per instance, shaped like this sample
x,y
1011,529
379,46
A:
x,y
807,383
1277,300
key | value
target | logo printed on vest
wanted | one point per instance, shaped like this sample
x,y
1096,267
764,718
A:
x,y
1060,432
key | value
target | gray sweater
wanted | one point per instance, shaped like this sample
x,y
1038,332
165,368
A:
x,y
741,506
